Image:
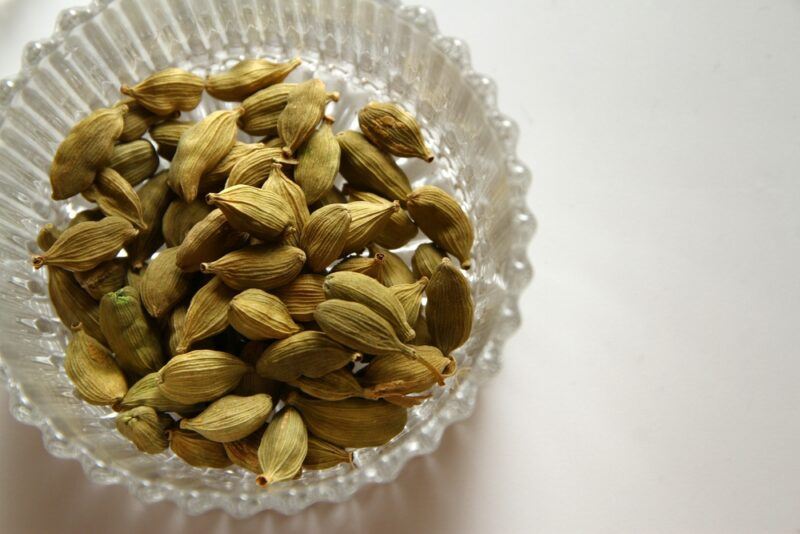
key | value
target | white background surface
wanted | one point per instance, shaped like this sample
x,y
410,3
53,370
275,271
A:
x,y
654,386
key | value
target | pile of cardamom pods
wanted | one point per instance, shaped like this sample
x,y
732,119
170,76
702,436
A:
x,y
244,323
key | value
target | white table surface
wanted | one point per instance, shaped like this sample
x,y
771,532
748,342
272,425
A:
x,y
654,386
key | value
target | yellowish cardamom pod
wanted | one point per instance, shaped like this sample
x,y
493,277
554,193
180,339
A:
x,y
426,259
106,277
393,129
88,244
395,270
247,77
215,179
450,309
263,109
394,374
207,314
421,328
283,448
367,221
244,452
167,91
342,422
399,230
208,240
72,303
135,161
181,217
134,340
324,455
196,450
262,267
308,353
372,267
200,376
325,236
294,198
331,196
167,134
252,383
250,209
91,368
173,333
86,149
145,392
257,315
115,197
366,168
89,215
47,236
201,148
304,109
231,418
254,168
410,297
356,287
164,285
318,162
336,385
137,120
442,219
155,197
146,428
302,296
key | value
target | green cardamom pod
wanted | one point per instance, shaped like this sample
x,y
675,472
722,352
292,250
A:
x,y
395,270
325,236
441,218
283,448
309,353
262,267
257,315
247,77
399,229
331,196
254,168
167,91
207,314
291,194
164,285
394,374
302,296
137,120
72,303
250,209
106,277
167,135
410,297
367,221
88,244
393,129
91,368
208,240
215,179
146,428
135,161
366,168
181,217
263,109
155,196
89,215
318,163
426,259
200,376
47,236
145,392
450,308
115,197
231,418
324,455
336,385
304,110
372,267
244,452
196,450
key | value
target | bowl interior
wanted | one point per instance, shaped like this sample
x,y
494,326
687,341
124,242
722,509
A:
x,y
366,50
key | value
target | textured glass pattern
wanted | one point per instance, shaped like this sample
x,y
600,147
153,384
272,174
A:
x,y
366,49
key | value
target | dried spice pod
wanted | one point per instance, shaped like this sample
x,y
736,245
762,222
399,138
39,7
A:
x,y
302,296
309,353
137,120
115,197
262,267
146,428
91,368
167,134
130,335
410,297
254,168
196,450
426,259
230,418
252,210
155,197
207,314
318,162
336,385
86,245
365,167
181,217
86,149
304,109
372,267
421,328
244,452
88,215
47,236
441,218
167,91
145,392
399,230
342,422
257,315
331,196
325,236
395,270
393,129
208,240
200,376
356,287
291,194
215,179
247,77
252,383
367,221
263,109
135,161
174,328
324,455
394,374
164,285
201,148
106,277
72,303
450,308
283,448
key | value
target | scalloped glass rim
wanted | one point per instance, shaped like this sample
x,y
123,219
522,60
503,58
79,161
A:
x,y
457,407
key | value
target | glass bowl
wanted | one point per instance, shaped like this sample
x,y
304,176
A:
x,y
366,49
